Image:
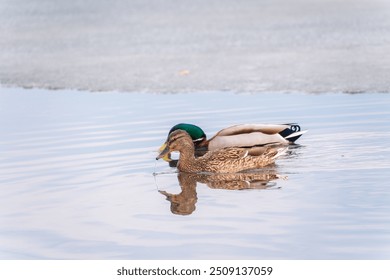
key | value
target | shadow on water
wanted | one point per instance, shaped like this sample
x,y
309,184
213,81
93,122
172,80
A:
x,y
184,203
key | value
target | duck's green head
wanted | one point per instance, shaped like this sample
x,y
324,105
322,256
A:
x,y
196,133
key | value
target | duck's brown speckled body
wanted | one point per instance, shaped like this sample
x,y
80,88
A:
x,y
226,160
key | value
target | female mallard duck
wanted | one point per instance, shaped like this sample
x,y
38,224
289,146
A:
x,y
243,135
225,160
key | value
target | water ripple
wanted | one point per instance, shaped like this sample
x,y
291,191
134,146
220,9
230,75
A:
x,y
76,178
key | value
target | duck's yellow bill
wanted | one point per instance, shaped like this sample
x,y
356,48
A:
x,y
164,154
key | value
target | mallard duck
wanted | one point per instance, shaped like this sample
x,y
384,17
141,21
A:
x,y
225,160
243,135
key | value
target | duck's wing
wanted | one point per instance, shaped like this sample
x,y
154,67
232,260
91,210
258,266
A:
x,y
249,135
226,154
263,128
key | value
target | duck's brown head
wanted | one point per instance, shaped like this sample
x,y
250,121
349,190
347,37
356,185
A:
x,y
178,141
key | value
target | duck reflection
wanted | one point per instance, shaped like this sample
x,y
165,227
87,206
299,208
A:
x,y
184,202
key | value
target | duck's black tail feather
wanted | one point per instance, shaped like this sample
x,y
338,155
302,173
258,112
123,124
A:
x,y
292,133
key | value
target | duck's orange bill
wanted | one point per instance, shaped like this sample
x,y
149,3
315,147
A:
x,y
164,153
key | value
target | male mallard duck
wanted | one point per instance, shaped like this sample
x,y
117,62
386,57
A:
x,y
243,135
225,160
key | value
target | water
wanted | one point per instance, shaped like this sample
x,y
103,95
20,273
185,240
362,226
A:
x,y
76,167
76,178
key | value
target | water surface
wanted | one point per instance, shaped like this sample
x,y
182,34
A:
x,y
76,178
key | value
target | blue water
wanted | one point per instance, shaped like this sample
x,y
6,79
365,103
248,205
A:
x,y
76,178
